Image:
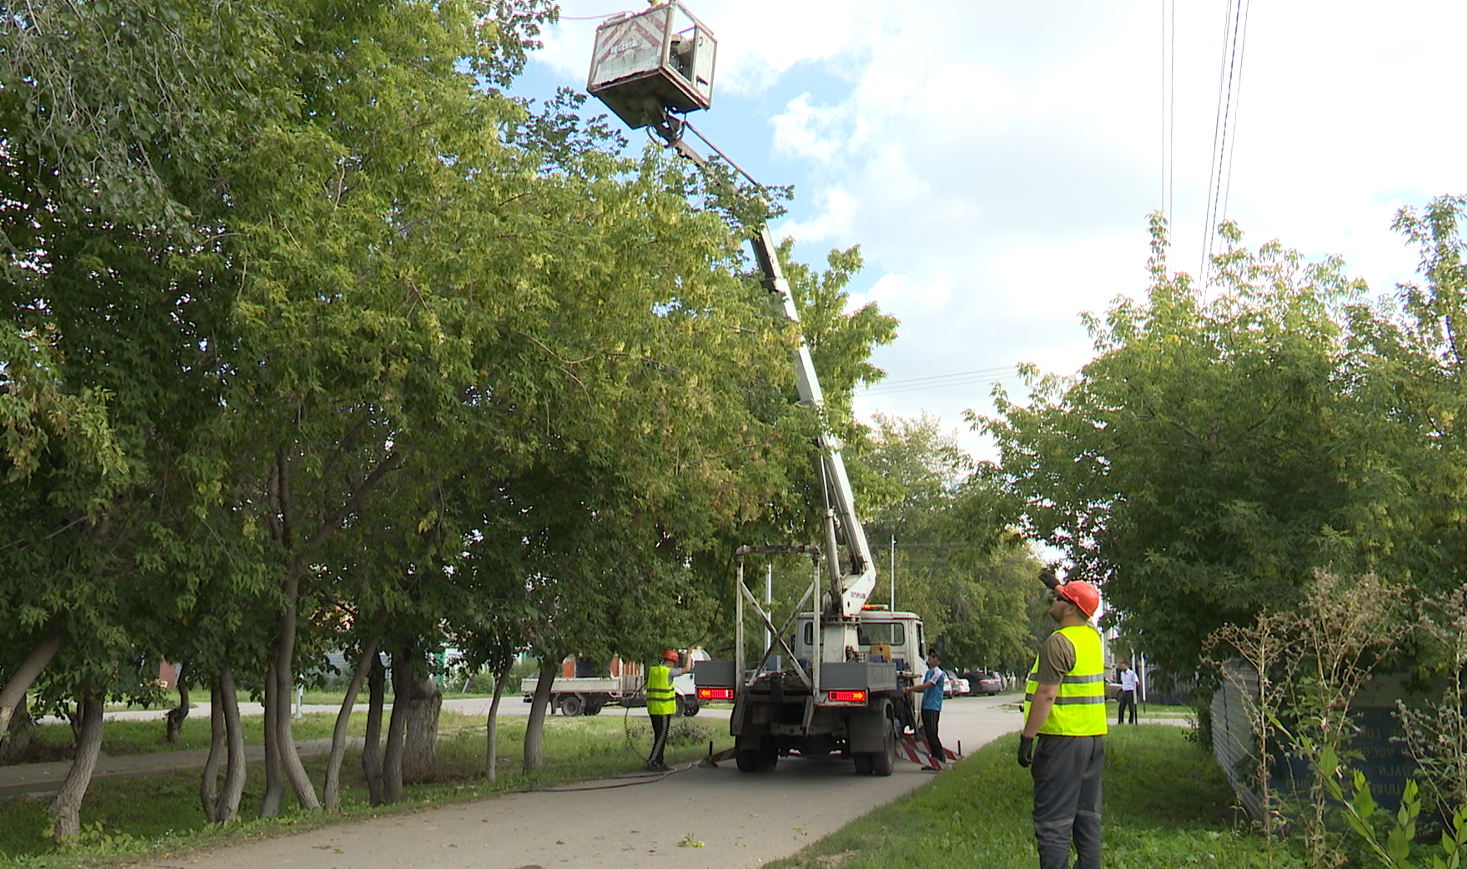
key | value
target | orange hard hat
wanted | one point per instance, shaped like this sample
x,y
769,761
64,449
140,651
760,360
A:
x,y
671,655
1082,594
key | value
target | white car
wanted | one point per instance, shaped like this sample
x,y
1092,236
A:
x,y
955,686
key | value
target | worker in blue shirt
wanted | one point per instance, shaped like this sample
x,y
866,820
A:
x,y
931,688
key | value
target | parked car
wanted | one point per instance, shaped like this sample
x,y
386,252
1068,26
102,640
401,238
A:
x,y
988,683
984,682
955,686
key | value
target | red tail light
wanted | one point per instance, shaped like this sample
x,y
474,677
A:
x,y
715,693
848,697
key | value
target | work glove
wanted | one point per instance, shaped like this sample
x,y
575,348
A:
x,y
1047,577
1026,750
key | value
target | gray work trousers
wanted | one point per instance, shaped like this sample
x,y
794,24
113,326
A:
x,y
1067,799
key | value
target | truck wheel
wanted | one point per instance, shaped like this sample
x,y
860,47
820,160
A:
x,y
680,706
690,708
747,758
768,758
594,708
571,705
884,761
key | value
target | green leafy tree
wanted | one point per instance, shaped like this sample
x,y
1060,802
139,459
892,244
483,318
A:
x,y
964,572
1193,467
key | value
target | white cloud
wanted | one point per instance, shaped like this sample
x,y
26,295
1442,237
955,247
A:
x,y
996,162
807,132
929,293
832,222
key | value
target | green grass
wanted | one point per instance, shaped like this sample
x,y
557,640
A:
x,y
1146,710
1166,804
1153,710
148,817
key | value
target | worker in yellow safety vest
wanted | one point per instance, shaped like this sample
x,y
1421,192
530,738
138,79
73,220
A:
x,y
661,704
1064,707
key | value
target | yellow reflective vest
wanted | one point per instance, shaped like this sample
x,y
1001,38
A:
x,y
1079,709
661,699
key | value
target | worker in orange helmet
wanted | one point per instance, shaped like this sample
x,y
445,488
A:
x,y
1064,708
661,704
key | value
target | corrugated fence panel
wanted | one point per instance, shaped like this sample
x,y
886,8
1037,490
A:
x,y
1233,738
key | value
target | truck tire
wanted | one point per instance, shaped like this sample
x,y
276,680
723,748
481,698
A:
x,y
689,707
594,707
747,758
680,706
571,705
884,761
767,758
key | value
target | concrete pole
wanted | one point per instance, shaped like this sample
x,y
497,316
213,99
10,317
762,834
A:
x,y
893,573
768,599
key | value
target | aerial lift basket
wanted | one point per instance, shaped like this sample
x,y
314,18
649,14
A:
x,y
652,63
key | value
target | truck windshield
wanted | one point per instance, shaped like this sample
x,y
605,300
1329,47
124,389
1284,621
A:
x,y
891,633
867,634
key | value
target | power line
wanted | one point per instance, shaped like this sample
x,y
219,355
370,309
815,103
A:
x,y
1242,51
995,369
1168,108
1229,81
1172,124
944,381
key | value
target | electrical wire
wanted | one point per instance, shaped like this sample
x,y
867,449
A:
x,y
1229,82
621,781
1172,125
944,381
1242,51
1168,108
593,17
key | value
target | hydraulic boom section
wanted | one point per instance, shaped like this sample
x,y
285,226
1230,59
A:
x,y
645,69
838,686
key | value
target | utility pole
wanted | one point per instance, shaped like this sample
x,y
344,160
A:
x,y
768,599
894,573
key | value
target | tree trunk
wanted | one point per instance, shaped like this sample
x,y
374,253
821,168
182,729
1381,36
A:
x,y
338,736
290,760
372,744
227,808
17,738
66,807
274,784
209,781
178,715
420,739
20,681
402,685
491,750
535,727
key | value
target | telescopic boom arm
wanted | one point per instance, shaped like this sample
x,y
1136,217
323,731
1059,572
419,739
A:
x,y
854,576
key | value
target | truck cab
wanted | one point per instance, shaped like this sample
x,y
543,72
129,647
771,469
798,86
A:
x,y
877,631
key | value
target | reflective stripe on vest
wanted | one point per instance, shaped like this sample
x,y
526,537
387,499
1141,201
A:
x,y
1079,708
661,698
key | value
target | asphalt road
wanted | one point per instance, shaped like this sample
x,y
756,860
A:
x,y
741,819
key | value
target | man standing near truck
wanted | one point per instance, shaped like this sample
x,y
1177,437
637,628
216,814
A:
x,y
931,687
661,705
1064,708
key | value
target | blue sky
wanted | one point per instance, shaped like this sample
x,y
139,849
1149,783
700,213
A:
x,y
997,161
